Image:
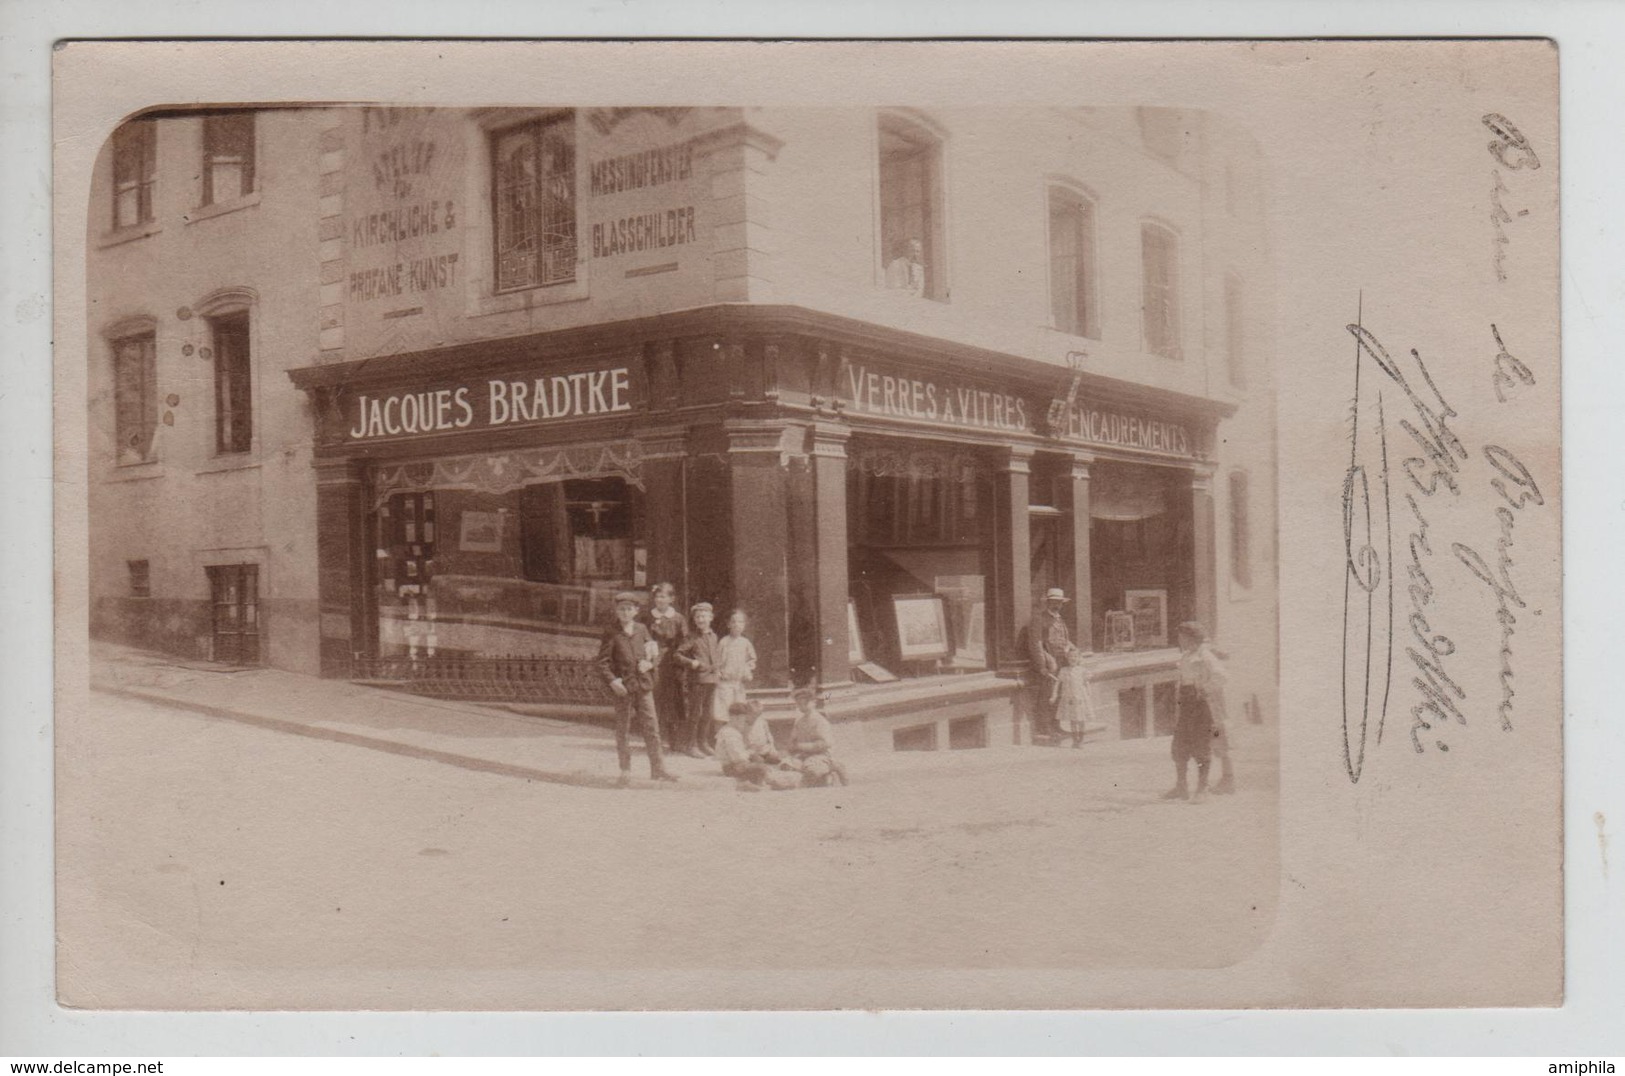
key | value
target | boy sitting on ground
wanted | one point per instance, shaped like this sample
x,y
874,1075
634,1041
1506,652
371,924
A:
x,y
811,742
734,753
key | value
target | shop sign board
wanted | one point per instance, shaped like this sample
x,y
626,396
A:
x,y
870,389
512,399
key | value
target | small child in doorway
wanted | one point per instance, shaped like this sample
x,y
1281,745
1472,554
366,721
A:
x,y
1074,708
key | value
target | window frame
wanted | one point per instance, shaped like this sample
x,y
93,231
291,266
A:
x,y
146,404
140,570
1167,293
1235,336
565,119
1086,280
135,139
247,160
928,145
234,384
1239,490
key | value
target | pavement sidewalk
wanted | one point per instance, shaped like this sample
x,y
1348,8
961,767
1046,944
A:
x,y
473,736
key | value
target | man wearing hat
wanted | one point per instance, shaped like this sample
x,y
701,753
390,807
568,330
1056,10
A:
x,y
1048,641
626,656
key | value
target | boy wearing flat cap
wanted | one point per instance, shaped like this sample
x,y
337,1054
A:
x,y
701,655
626,657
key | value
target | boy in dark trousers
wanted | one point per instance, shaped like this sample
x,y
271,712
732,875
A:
x,y
626,657
700,654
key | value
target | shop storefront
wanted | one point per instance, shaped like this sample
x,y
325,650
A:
x,y
886,509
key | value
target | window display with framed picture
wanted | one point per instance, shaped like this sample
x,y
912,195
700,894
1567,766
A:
x,y
922,627
1149,608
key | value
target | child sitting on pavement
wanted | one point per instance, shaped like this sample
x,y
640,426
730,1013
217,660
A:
x,y
759,737
748,768
732,751
811,742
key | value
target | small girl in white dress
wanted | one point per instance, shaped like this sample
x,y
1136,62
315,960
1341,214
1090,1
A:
x,y
1074,709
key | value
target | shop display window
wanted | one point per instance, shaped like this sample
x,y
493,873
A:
x,y
918,559
1142,555
528,572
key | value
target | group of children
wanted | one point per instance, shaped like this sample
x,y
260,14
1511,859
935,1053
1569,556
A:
x,y
679,682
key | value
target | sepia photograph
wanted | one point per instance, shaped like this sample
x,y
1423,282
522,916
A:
x,y
519,523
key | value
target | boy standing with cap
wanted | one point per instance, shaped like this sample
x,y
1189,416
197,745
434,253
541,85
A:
x,y
626,656
701,654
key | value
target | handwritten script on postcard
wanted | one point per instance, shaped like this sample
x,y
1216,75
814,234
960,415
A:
x,y
1407,458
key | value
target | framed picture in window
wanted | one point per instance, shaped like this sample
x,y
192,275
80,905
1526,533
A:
x,y
854,636
481,532
922,627
1149,608
1119,631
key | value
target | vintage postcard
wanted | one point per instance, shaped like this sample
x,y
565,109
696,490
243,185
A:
x,y
558,526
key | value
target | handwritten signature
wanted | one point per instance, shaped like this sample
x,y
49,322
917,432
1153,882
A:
x,y
1430,472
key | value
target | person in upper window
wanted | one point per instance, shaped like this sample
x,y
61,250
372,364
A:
x,y
906,270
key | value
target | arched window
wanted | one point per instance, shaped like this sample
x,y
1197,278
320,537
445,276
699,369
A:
x,y
227,314
911,224
1159,302
1074,299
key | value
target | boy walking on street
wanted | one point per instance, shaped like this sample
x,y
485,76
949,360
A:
x,y
626,657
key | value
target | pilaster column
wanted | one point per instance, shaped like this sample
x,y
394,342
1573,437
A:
x,y
1204,550
758,454
664,452
1012,554
341,564
827,446
1072,496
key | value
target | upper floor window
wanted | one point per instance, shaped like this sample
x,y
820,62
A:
x,y
233,384
1073,302
1159,301
135,394
1241,559
533,191
140,578
1235,337
911,210
135,161
228,156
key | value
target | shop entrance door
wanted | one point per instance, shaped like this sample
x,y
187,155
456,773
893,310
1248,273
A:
x,y
1044,535
234,591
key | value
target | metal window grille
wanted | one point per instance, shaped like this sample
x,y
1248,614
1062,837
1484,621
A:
x,y
533,190
135,158
233,392
1160,297
228,156
135,393
234,591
